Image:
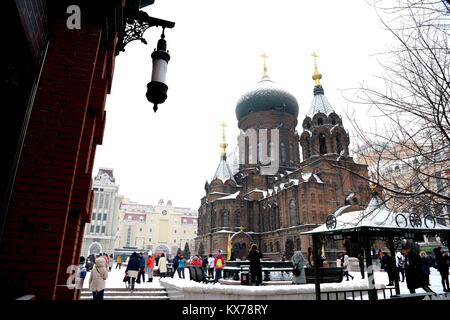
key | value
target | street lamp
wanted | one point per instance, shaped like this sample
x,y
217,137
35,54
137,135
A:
x,y
136,22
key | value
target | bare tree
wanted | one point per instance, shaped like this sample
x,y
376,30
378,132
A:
x,y
409,155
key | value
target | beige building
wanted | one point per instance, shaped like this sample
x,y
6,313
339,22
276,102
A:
x,y
100,233
159,228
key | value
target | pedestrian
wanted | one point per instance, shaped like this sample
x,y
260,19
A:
x,y
310,257
141,273
219,263
97,279
162,265
175,263
346,267
298,272
361,263
426,265
110,262
81,271
255,257
150,266
119,262
181,266
211,266
388,264
442,264
400,261
132,269
413,270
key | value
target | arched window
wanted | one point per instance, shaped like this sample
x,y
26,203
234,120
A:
x,y
291,153
283,152
333,121
237,218
293,212
277,217
271,247
225,218
322,144
338,144
320,121
213,219
265,247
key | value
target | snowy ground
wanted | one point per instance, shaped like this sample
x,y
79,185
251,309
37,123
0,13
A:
x,y
115,278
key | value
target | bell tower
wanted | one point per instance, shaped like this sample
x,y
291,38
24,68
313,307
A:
x,y
323,133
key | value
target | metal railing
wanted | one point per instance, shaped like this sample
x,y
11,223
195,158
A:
x,y
357,294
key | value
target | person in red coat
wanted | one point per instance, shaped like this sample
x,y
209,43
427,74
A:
x,y
219,263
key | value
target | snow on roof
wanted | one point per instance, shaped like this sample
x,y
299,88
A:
x,y
376,215
231,196
306,176
350,196
295,181
224,231
223,172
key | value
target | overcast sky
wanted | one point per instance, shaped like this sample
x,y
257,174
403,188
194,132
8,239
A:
x,y
215,51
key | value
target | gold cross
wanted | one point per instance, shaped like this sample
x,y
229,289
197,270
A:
x,y
264,56
315,56
316,75
241,228
223,145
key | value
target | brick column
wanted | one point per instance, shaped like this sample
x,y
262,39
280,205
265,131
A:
x,y
80,204
39,212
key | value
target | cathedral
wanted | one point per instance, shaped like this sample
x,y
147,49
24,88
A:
x,y
273,207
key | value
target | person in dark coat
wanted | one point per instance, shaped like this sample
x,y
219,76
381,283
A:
x,y
426,265
141,268
133,267
175,263
361,263
415,277
255,265
388,264
442,264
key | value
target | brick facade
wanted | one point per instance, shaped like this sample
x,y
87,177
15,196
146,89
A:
x,y
51,198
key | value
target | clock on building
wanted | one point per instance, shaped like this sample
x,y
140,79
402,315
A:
x,y
164,212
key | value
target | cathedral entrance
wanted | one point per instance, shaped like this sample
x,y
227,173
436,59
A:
x,y
240,244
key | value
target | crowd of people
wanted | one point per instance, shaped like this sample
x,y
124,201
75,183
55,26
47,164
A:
x,y
406,264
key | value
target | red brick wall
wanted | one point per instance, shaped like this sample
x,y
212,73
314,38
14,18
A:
x,y
51,199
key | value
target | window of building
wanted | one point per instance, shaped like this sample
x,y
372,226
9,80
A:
x,y
271,247
297,244
225,218
151,230
184,231
103,229
149,239
322,144
92,229
283,152
293,212
104,216
277,246
237,218
140,229
320,122
314,216
174,240
94,215
174,231
338,144
291,153
277,217
97,229
213,219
